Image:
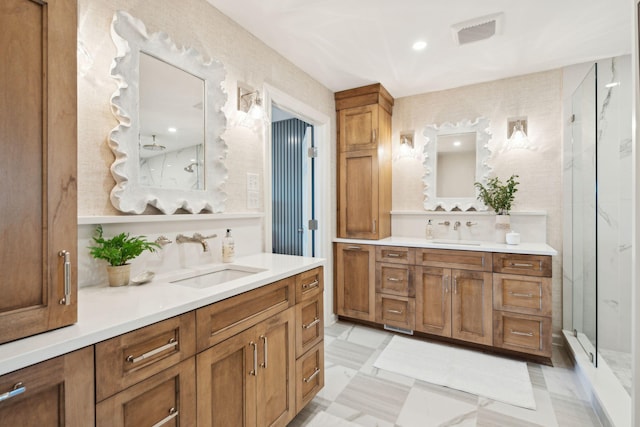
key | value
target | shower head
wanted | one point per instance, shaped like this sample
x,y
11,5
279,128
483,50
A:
x,y
154,146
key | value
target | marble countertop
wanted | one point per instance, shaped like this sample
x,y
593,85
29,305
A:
x,y
461,245
105,312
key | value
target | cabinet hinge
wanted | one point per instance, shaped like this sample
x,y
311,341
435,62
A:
x,y
313,224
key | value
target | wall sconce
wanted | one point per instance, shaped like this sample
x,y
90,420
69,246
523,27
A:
x,y
250,102
407,146
517,133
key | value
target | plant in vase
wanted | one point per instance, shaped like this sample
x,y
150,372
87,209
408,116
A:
x,y
499,197
117,251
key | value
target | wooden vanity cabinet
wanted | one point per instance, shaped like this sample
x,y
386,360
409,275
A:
x,y
355,274
364,162
38,206
57,392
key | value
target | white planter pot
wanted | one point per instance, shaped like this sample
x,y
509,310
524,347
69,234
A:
x,y
119,275
503,226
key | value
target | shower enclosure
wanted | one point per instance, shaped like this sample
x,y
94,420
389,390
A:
x,y
600,243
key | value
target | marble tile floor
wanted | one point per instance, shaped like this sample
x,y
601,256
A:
x,y
620,364
358,394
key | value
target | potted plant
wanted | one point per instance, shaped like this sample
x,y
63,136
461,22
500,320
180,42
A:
x,y
499,197
117,251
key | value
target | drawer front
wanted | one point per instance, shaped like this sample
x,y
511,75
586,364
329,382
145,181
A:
x,y
130,358
463,260
394,279
523,333
522,294
221,320
167,398
396,311
309,375
395,255
309,324
531,265
309,284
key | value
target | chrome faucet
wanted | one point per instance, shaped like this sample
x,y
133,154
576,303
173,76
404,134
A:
x,y
197,238
456,225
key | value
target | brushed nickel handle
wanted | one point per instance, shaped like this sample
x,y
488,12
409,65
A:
x,y
66,299
374,136
173,412
312,376
18,388
254,372
373,230
394,311
521,264
172,343
445,282
312,324
446,223
266,351
313,284
517,294
455,285
524,334
393,255
353,248
393,279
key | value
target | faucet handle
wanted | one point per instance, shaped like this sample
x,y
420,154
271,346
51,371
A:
x,y
163,241
469,223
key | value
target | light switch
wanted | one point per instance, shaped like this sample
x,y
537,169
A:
x,y
253,200
252,181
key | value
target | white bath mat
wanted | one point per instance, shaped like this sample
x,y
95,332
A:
x,y
494,377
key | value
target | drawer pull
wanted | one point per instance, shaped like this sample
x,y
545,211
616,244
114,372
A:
x,y
66,256
520,295
172,343
394,311
393,255
521,265
445,282
523,334
312,324
313,284
266,351
353,248
18,388
173,412
393,279
455,285
254,372
312,376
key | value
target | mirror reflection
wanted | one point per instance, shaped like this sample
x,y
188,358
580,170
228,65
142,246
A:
x,y
171,140
456,165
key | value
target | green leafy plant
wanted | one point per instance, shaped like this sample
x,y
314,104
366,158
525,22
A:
x,y
497,195
121,248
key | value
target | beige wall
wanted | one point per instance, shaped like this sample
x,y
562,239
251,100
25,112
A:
x,y
192,23
537,96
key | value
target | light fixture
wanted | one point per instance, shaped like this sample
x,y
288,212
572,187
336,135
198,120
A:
x,y
457,143
407,146
419,45
154,146
517,133
250,102
172,130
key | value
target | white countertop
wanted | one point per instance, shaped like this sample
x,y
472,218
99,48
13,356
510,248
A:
x,y
105,312
461,245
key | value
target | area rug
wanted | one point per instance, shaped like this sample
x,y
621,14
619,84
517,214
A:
x,y
494,377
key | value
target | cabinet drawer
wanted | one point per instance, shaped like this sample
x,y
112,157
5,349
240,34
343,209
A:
x,y
396,311
130,358
522,294
394,279
167,398
445,258
221,320
309,284
309,375
309,324
522,332
395,255
531,265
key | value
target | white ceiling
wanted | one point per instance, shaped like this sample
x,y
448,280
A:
x,y
349,43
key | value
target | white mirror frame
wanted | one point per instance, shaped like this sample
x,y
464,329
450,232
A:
x,y
130,37
431,132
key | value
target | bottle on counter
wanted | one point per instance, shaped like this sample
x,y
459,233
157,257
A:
x,y
228,250
429,230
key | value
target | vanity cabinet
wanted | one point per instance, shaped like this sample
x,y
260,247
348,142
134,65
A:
x,y
364,162
355,273
38,207
56,392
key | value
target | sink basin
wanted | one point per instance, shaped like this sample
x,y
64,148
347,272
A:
x,y
456,242
217,277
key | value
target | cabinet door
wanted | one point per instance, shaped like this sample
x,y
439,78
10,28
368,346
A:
x,y
355,281
472,306
276,399
57,392
359,194
38,208
433,300
226,385
358,128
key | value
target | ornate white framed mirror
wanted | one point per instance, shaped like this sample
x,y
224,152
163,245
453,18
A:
x,y
168,146
455,157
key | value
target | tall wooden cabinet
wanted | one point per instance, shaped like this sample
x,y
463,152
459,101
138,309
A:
x,y
38,213
364,159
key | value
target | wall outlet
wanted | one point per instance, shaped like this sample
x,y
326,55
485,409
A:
x,y
252,181
253,200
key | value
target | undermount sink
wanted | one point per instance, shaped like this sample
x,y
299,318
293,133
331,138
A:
x,y
456,242
217,277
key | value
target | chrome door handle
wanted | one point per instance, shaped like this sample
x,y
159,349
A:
x,y
254,372
312,376
353,248
312,324
394,311
266,351
66,299
516,294
393,279
172,343
313,284
392,255
524,334
18,388
172,414
455,285
445,282
520,264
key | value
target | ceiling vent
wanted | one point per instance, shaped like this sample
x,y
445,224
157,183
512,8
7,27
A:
x,y
478,29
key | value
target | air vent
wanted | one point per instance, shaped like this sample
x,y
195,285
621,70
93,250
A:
x,y
478,29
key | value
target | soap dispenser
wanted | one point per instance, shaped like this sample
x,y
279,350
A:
x,y
228,250
429,230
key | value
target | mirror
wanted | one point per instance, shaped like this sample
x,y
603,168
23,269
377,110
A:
x,y
168,146
455,156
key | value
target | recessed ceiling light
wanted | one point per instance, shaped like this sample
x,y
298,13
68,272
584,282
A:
x,y
419,45
457,143
172,130
614,84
